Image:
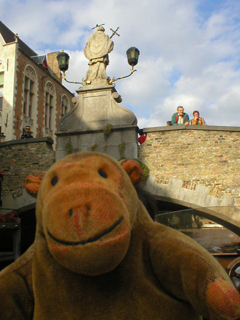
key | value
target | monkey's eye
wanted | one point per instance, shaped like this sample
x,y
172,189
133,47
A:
x,y
102,173
54,180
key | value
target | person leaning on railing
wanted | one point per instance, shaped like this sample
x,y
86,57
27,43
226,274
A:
x,y
27,133
197,121
180,118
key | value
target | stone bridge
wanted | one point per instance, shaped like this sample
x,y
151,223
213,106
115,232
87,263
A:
x,y
196,167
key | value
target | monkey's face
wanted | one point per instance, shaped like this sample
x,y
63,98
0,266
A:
x,y
88,206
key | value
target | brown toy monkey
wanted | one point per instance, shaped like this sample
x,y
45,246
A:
x,y
98,255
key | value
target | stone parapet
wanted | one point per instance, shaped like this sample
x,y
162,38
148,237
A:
x,y
120,143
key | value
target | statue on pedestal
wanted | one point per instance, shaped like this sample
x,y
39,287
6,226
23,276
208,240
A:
x,y
96,51
97,107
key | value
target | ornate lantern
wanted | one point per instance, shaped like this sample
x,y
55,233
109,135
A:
x,y
63,59
132,56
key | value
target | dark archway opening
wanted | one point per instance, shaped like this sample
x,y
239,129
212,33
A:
x,y
214,234
28,229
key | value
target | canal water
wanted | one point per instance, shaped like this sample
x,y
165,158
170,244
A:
x,y
214,237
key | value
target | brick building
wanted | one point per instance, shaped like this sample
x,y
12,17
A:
x,y
31,90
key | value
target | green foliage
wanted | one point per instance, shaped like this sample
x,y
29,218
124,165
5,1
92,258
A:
x,y
144,167
121,147
94,146
69,147
107,129
145,170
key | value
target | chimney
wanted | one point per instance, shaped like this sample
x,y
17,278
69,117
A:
x,y
53,66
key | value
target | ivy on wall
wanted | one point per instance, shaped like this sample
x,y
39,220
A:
x,y
107,130
145,170
69,147
94,146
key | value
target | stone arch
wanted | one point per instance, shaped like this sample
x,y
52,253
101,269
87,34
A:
x,y
30,72
65,105
223,211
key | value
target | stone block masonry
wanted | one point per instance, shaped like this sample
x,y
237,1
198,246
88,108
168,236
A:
x,y
18,158
207,156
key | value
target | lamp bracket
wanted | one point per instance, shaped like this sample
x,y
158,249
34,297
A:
x,y
63,76
114,80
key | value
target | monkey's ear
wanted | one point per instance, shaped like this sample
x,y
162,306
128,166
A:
x,y
32,183
133,169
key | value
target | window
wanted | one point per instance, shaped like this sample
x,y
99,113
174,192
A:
x,y
48,110
1,79
49,107
28,93
64,105
28,97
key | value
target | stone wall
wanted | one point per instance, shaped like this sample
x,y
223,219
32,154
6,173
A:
x,y
207,156
18,158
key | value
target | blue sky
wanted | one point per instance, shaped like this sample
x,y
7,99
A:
x,y
189,50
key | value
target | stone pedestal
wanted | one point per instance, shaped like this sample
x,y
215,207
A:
x,y
82,129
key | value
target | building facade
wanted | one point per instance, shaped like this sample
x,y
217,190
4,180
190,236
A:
x,y
31,90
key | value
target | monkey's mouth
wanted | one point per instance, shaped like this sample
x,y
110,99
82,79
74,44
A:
x,y
92,239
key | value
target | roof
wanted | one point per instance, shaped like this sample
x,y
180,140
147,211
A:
x,y
9,37
42,60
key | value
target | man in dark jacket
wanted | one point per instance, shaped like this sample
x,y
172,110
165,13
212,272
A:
x,y
27,133
180,118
